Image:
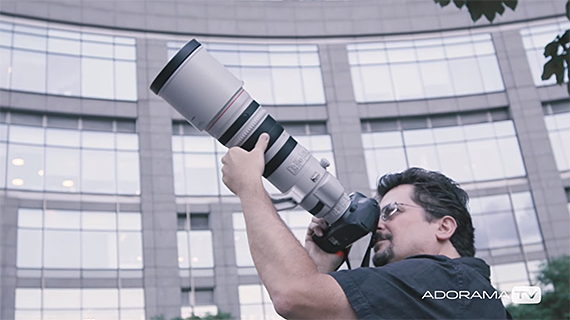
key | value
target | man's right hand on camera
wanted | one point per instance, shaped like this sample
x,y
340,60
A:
x,y
325,262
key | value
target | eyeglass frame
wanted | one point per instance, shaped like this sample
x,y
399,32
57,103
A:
x,y
386,217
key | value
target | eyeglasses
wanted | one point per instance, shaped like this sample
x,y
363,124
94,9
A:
x,y
391,208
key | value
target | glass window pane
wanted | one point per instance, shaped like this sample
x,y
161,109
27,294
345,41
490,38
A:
x,y
287,85
94,49
29,41
29,71
131,298
29,248
97,140
63,75
25,167
62,219
125,80
501,230
448,134
127,141
455,161
62,169
313,87
62,250
62,299
182,241
257,81
129,221
66,46
98,171
491,73
132,314
390,160
436,79
179,174
485,160
377,83
100,314
95,220
407,81
243,256
254,58
30,218
513,165
125,52
201,249
5,67
100,250
250,294
26,134
201,174
97,79
128,173
466,76
198,144
62,314
62,137
528,226
28,298
418,137
130,250
423,157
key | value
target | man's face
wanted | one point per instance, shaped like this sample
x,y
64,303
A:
x,y
406,232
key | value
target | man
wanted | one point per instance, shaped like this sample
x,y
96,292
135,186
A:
x,y
424,242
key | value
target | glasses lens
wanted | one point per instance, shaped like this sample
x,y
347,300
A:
x,y
389,210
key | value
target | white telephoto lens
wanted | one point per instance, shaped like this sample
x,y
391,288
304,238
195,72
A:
x,y
212,99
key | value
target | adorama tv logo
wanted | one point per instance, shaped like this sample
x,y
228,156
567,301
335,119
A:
x,y
526,295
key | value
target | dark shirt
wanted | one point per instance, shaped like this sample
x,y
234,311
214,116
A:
x,y
395,290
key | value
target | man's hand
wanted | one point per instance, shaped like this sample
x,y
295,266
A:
x,y
242,170
325,262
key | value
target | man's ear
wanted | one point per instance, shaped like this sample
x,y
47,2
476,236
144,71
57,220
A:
x,y
446,228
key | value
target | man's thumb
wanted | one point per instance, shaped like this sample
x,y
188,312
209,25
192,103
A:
x,y
262,142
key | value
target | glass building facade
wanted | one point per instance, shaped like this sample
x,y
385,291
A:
x,y
113,207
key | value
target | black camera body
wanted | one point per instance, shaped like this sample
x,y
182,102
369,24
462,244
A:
x,y
360,219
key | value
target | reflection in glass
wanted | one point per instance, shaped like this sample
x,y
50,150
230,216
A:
x,y
99,250
63,75
130,250
29,71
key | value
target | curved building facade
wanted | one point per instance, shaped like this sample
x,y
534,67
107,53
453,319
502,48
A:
x,y
112,205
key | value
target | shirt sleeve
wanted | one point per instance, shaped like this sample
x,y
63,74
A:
x,y
395,292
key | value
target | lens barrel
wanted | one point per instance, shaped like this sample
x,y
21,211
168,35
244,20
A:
x,y
212,99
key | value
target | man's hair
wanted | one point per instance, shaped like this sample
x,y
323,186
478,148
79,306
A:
x,y
439,196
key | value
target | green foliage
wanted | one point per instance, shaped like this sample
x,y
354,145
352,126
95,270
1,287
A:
x,y
557,50
555,304
479,8
208,316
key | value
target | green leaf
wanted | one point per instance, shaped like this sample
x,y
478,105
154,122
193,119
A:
x,y
565,38
554,66
459,3
442,3
475,10
511,4
551,49
549,69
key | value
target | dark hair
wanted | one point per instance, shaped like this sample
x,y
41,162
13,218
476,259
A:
x,y
439,196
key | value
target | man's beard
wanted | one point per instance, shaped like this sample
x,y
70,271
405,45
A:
x,y
383,256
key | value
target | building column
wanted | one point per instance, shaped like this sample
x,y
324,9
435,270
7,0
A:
x,y
158,207
528,117
344,127
8,248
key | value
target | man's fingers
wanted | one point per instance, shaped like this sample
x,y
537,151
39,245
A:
x,y
262,142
